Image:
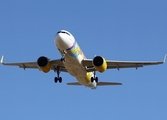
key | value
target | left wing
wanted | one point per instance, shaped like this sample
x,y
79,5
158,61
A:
x,y
24,65
112,64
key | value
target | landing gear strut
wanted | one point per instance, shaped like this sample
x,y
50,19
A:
x,y
58,78
63,55
94,78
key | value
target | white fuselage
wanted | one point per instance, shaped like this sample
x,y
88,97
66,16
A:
x,y
73,56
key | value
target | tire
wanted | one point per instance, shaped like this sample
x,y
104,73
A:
x,y
96,78
60,80
92,79
55,79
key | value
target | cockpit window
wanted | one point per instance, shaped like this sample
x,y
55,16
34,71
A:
x,y
63,32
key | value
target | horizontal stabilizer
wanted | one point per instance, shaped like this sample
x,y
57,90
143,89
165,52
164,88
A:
x,y
108,83
98,84
74,83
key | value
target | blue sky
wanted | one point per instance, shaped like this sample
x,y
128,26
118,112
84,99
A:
x,y
117,29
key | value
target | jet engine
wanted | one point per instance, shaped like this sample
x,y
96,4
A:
x,y
100,63
44,64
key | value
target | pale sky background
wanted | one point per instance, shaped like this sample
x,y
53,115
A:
x,y
114,29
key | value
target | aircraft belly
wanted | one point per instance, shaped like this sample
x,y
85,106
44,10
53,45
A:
x,y
74,66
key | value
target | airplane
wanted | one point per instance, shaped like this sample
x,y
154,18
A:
x,y
76,64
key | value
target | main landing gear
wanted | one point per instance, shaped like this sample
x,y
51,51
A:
x,y
94,78
58,78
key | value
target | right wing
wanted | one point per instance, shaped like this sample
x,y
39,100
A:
x,y
113,64
24,65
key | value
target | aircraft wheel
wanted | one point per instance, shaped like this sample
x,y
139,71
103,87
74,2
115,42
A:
x,y
60,80
55,79
92,79
96,79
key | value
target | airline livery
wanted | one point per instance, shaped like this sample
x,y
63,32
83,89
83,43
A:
x,y
76,64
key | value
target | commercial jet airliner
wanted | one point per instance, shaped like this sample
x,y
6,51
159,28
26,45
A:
x,y
76,64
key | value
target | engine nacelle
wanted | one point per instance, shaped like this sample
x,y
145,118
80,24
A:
x,y
44,64
100,63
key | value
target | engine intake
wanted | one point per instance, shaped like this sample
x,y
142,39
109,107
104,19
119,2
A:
x,y
100,63
44,64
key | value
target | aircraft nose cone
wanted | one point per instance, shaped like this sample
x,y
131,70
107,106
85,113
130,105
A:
x,y
60,38
62,41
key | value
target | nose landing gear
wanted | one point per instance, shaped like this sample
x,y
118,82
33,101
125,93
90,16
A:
x,y
63,55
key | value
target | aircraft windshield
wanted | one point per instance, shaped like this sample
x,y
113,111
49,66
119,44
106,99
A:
x,y
63,32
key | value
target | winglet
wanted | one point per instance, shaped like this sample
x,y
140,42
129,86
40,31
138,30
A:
x,y
165,58
2,60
